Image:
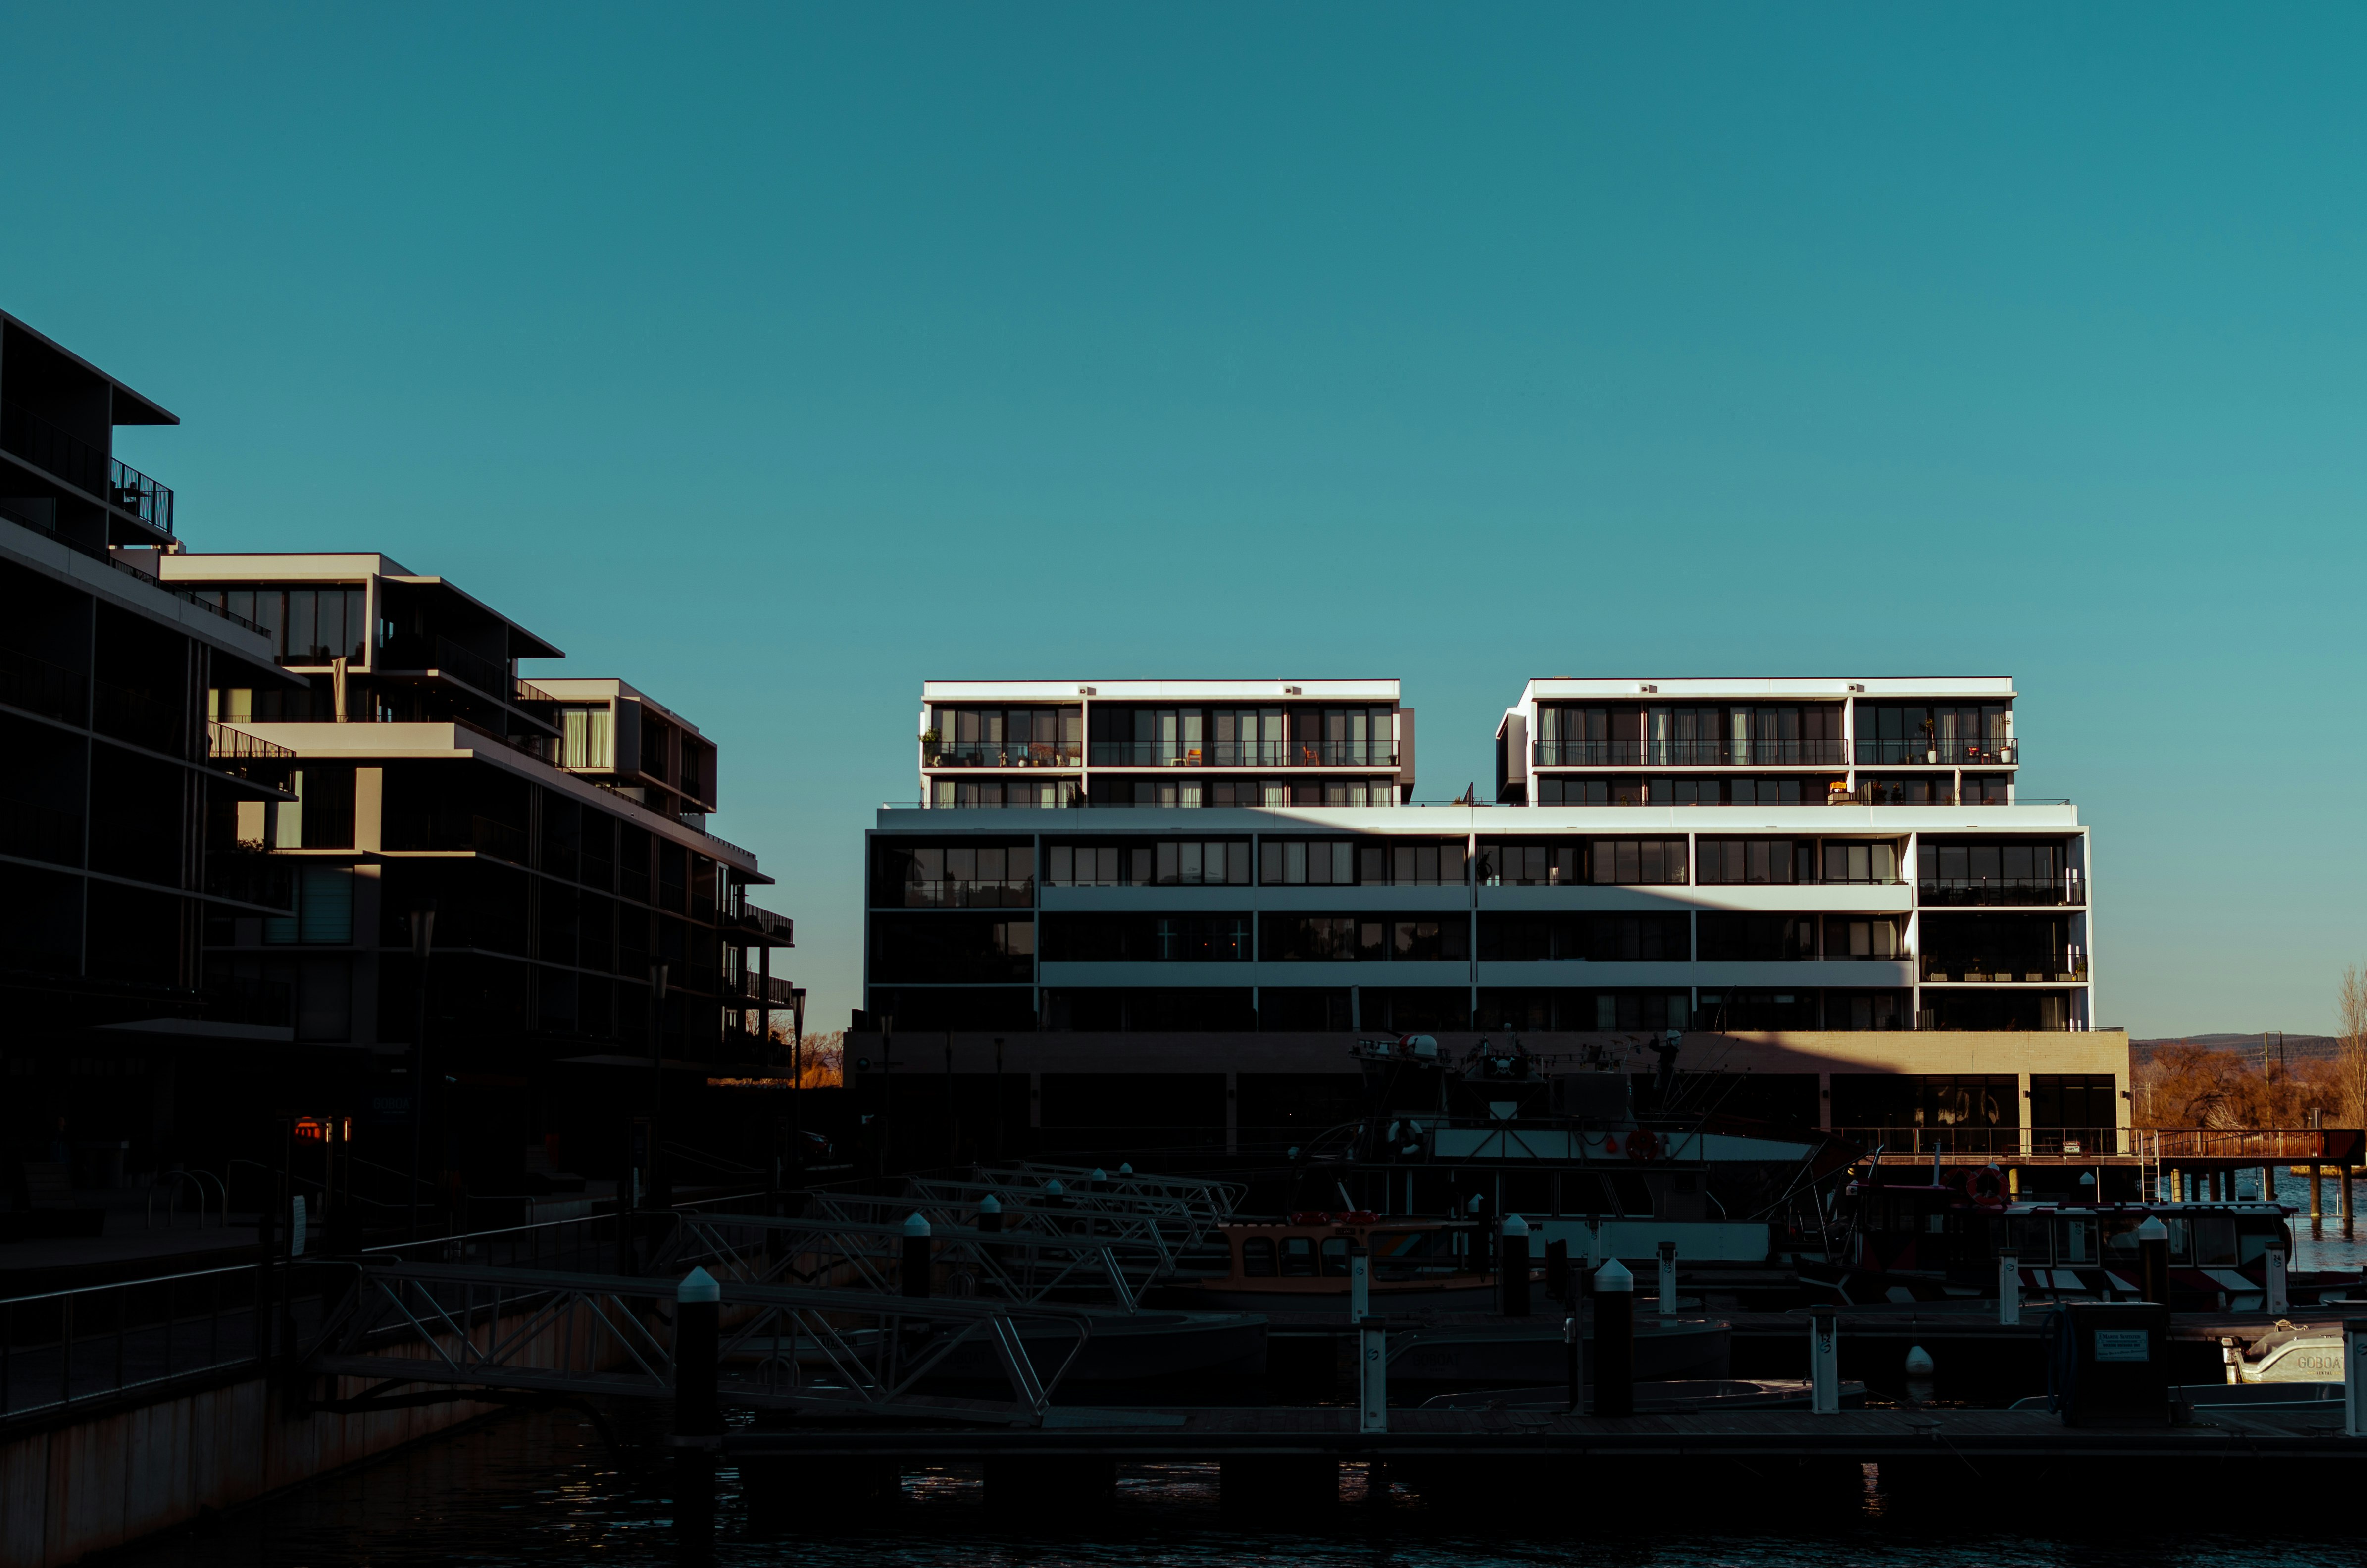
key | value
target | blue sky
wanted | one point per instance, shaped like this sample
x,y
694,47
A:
x,y
777,359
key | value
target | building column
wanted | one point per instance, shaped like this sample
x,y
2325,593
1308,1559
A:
x,y
1232,1113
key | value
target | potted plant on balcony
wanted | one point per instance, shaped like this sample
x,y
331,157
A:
x,y
929,748
1930,746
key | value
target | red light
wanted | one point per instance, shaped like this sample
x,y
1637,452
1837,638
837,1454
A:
x,y
308,1130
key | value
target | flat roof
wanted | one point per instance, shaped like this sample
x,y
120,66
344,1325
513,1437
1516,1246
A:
x,y
1834,687
1309,688
332,566
586,688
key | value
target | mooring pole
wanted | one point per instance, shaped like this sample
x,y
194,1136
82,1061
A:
x,y
1614,1340
2316,1193
2279,1299
2153,1259
1824,1360
2343,1177
990,1213
1515,1268
1558,1270
914,1276
1571,1343
2354,1376
2009,1287
1372,1345
697,1315
1667,1279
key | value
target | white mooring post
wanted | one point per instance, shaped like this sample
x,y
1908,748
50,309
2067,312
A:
x,y
2279,1300
1667,1279
2008,1288
1372,1346
1823,1361
2354,1376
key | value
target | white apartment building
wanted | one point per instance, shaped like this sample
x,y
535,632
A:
x,y
1835,872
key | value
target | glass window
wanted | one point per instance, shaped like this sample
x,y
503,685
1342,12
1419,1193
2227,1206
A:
x,y
2075,1239
2215,1241
1298,1257
1257,1257
1335,1257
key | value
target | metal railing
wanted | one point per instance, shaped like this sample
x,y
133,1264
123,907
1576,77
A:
x,y
141,496
2069,889
776,927
135,716
253,877
1714,752
226,741
1245,754
36,832
1000,753
62,1347
1971,1144
39,686
2004,968
1014,892
487,676
1922,750
487,836
45,445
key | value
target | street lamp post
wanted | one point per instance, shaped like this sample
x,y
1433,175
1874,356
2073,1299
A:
x,y
423,939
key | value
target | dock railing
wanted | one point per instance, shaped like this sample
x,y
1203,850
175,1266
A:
x,y
2073,1145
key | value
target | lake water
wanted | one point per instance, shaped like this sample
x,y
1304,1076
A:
x,y
532,1488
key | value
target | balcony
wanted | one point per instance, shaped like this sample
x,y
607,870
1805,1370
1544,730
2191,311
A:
x,y
775,930
2006,968
1000,753
1245,754
34,831
141,496
1689,753
1942,891
128,714
1014,892
251,877
39,686
1924,752
87,468
237,999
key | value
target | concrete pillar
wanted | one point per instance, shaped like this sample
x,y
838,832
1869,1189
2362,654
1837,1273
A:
x,y
2343,1175
697,1309
2317,1192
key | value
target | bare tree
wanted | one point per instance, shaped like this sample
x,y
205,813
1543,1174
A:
x,y
2350,1023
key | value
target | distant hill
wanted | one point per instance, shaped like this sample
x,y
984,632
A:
x,y
2297,1047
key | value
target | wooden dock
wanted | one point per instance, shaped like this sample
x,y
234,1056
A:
x,y
1969,1437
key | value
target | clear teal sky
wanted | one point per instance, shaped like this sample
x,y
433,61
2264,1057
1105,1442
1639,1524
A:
x,y
777,359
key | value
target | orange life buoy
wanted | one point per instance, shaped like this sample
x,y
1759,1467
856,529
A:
x,y
1643,1144
1986,1186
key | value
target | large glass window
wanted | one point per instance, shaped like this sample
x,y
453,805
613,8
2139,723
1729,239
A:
x,y
1003,737
1974,871
1370,938
1166,862
1756,937
585,741
1754,860
307,626
1597,938
1932,734
1131,938
956,876
1310,862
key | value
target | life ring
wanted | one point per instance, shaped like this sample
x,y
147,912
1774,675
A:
x,y
1986,1186
1643,1144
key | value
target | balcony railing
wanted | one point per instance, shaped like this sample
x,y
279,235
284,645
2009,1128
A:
x,y
39,686
44,444
247,876
237,999
1974,1144
2000,968
2069,889
225,743
1245,754
778,928
1000,753
1726,752
134,716
1924,752
36,832
141,496
1017,892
